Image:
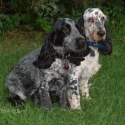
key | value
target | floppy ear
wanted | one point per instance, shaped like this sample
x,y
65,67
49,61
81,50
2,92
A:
x,y
47,53
107,42
81,25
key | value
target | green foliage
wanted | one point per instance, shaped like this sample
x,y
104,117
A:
x,y
38,36
19,6
45,8
115,11
12,21
5,23
41,14
44,24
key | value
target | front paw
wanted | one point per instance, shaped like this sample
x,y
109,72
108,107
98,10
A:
x,y
75,103
86,96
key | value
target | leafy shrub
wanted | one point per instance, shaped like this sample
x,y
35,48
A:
x,y
45,8
44,24
34,14
6,23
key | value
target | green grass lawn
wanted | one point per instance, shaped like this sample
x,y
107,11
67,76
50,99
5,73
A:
x,y
107,90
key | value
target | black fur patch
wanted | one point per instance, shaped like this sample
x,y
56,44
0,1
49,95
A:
x,y
96,13
90,10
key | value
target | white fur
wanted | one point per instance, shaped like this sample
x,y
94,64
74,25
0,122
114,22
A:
x,y
86,70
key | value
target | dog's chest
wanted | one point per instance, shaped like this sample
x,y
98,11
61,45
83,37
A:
x,y
61,66
58,70
91,65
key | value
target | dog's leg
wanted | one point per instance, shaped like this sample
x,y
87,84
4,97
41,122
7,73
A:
x,y
42,98
84,87
16,91
73,95
63,99
58,92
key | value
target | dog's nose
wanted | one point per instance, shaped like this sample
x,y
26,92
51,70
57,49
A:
x,y
81,42
101,33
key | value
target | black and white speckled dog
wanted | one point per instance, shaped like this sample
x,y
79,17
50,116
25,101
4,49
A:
x,y
43,71
93,25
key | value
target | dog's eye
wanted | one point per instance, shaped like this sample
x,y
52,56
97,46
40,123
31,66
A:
x,y
65,29
90,20
103,18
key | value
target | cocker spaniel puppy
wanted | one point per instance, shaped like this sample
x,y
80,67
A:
x,y
93,25
47,72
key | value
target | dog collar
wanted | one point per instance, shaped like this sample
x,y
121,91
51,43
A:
x,y
94,44
74,60
71,58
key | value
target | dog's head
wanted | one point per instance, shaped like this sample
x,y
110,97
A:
x,y
93,24
65,34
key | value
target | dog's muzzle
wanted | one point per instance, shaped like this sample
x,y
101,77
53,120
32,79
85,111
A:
x,y
101,33
81,43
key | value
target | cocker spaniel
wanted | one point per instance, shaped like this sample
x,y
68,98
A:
x,y
47,72
93,25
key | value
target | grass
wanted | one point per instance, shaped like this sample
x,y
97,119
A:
x,y
107,90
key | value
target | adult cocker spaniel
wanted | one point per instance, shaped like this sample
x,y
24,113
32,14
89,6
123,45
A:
x,y
47,72
93,25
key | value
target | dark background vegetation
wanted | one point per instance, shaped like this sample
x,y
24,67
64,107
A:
x,y
40,14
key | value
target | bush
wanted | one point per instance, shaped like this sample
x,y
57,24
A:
x,y
32,14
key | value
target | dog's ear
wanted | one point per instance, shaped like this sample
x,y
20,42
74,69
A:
x,y
81,25
107,42
47,53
